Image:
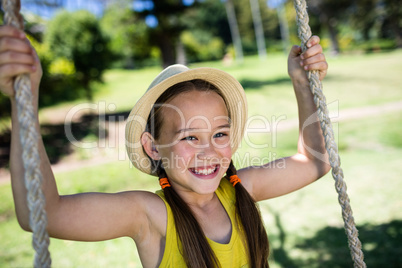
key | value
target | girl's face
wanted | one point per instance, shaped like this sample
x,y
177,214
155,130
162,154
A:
x,y
194,142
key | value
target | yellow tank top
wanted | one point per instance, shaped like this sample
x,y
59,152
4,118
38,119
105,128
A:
x,y
231,255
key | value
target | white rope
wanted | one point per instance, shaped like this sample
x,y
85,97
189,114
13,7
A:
x,y
355,246
30,155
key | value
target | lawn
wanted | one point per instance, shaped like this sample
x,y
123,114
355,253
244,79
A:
x,y
305,228
352,81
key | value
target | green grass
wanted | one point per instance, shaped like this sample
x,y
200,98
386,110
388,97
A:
x,y
352,81
305,228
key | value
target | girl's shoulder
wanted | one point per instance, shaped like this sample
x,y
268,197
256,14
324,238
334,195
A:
x,y
147,199
152,207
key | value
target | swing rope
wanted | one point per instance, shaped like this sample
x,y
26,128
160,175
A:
x,y
30,155
355,245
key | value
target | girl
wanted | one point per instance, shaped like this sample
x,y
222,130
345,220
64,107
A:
x,y
185,129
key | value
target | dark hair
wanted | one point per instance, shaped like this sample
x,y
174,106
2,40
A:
x,y
196,249
253,226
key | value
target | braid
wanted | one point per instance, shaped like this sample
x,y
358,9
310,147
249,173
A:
x,y
197,252
253,226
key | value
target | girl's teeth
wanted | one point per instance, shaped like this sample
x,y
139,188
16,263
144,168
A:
x,y
204,171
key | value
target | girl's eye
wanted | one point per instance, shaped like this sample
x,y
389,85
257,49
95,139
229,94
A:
x,y
220,135
189,138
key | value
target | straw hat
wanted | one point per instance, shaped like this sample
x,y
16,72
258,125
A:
x,y
230,88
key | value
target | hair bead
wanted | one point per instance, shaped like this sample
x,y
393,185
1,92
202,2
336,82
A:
x,y
164,182
234,179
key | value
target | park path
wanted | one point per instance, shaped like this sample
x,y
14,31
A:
x,y
113,149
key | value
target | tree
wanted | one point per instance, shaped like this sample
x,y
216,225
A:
x,y
200,18
127,33
58,82
393,20
169,26
234,29
206,36
270,24
378,19
364,16
76,36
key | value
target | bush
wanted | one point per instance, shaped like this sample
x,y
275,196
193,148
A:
x,y
201,46
76,36
378,45
58,82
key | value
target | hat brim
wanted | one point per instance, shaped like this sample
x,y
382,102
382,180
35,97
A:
x,y
230,88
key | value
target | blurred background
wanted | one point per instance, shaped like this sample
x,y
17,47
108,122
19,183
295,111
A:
x,y
99,57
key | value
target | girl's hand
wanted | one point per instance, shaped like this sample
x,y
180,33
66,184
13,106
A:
x,y
311,59
17,56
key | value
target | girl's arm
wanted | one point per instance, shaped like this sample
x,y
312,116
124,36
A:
x,y
311,161
84,217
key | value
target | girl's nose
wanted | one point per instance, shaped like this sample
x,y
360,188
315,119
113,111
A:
x,y
207,152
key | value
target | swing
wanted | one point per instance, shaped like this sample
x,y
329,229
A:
x,y
33,177
30,155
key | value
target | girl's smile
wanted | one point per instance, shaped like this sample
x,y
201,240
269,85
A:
x,y
205,172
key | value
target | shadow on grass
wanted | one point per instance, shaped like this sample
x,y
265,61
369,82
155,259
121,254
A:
x,y
249,84
56,141
279,254
382,247
257,84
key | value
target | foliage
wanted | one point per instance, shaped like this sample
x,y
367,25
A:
x,y
70,66
76,36
205,37
58,81
377,19
392,27
375,45
165,34
202,46
365,16
128,36
57,84
329,15
200,19
62,66
367,20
